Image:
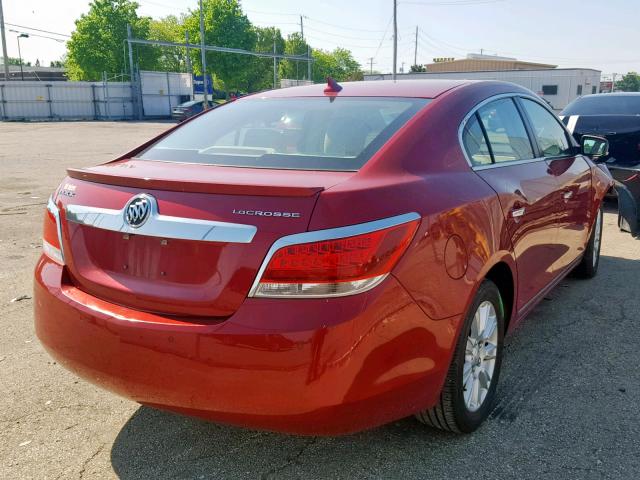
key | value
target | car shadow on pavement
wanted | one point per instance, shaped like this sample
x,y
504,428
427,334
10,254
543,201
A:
x,y
158,444
556,413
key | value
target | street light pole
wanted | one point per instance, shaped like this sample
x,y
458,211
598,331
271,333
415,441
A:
x,y
22,35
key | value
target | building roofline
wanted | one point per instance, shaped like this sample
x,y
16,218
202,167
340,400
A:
x,y
488,71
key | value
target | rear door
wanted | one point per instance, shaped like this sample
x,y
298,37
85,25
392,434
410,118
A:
x,y
502,153
573,174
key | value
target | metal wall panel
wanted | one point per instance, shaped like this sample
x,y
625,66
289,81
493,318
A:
x,y
34,100
161,91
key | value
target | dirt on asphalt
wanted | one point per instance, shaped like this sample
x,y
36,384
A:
x,y
569,394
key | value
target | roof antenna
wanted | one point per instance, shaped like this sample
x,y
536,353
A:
x,y
332,86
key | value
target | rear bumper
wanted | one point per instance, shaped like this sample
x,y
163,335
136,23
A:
x,y
326,366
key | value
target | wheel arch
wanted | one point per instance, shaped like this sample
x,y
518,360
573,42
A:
x,y
502,276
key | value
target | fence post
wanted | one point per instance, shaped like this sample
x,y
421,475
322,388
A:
x,y
95,102
169,91
49,101
105,94
3,103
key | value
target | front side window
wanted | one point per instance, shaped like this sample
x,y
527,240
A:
x,y
314,133
506,131
550,136
475,143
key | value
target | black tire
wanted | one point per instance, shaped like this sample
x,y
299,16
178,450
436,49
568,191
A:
x,y
451,412
588,266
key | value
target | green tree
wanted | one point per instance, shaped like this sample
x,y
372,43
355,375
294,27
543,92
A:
x,y
294,45
338,64
169,29
16,61
260,74
418,68
629,83
97,44
225,26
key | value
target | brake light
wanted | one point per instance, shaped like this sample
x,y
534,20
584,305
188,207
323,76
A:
x,y
336,262
51,243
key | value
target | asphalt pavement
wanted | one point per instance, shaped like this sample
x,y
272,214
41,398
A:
x,y
569,393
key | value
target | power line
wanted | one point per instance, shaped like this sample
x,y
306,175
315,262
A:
x,y
37,29
451,3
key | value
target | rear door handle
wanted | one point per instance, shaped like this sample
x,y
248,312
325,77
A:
x,y
517,212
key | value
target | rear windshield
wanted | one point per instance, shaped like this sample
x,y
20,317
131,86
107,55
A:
x,y
318,133
605,105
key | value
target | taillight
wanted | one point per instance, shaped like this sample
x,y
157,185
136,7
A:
x,y
51,241
335,262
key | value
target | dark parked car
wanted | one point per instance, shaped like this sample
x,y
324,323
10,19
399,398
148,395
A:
x,y
189,109
615,116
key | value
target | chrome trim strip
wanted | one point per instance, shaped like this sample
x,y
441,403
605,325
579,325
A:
x,y
329,234
368,283
508,164
474,110
53,208
164,226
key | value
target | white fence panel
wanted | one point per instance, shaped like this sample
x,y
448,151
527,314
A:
x,y
33,100
161,91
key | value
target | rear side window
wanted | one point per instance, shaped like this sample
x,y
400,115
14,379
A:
x,y
475,143
316,133
550,136
506,131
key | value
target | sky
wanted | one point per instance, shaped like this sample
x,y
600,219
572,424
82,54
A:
x,y
567,33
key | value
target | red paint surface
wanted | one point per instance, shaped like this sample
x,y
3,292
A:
x,y
190,340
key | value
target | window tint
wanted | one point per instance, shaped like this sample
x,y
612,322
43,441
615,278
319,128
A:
x,y
505,130
551,137
475,143
549,89
316,133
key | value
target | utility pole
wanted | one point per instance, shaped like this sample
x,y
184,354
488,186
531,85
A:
x,y
371,65
188,58
415,52
613,82
395,38
274,64
301,28
135,84
203,56
4,45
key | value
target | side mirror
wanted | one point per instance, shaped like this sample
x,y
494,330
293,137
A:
x,y
594,147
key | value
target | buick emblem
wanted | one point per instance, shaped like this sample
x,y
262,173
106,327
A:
x,y
137,210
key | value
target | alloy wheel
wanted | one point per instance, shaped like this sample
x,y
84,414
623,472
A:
x,y
480,356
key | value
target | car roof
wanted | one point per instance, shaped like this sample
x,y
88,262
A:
x,y
614,94
373,88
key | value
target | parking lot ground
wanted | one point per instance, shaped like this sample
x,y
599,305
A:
x,y
569,394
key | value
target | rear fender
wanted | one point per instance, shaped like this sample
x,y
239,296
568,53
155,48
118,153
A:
x,y
628,212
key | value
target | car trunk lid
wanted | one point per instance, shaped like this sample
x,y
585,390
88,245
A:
x,y
181,266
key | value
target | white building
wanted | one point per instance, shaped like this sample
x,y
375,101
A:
x,y
559,86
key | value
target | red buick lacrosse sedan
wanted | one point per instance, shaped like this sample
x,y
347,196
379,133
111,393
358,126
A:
x,y
321,260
